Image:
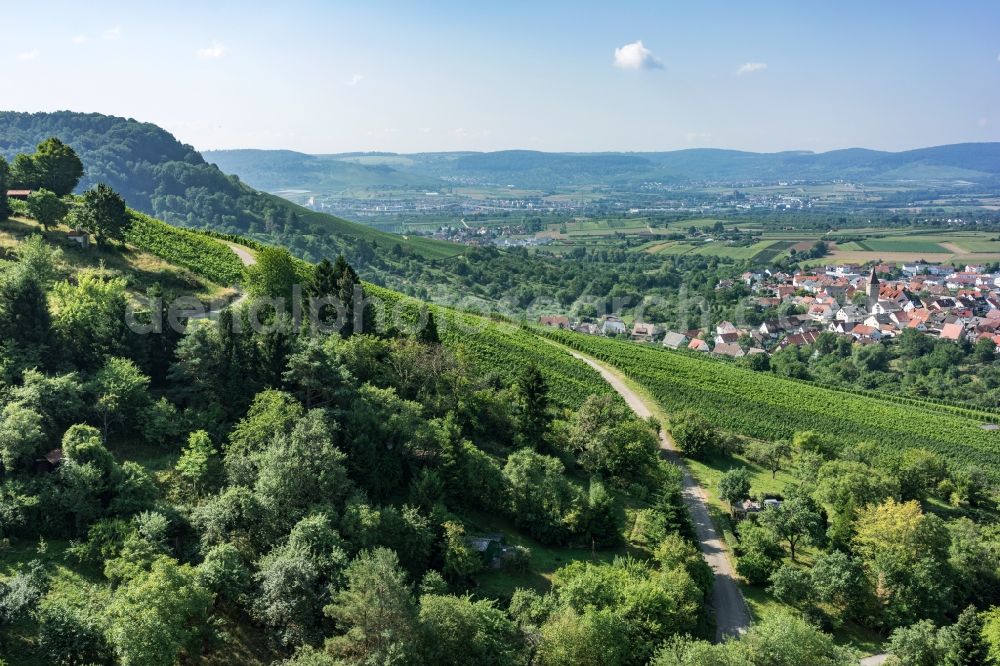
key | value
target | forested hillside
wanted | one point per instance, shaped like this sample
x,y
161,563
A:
x,y
158,175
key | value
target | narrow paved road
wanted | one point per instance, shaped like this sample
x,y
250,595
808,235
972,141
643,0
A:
x,y
731,614
246,256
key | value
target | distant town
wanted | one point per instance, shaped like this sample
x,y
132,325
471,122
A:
x,y
865,304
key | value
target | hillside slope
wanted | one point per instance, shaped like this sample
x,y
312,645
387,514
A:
x,y
160,176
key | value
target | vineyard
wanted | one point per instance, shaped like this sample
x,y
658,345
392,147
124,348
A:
x,y
196,252
768,407
497,347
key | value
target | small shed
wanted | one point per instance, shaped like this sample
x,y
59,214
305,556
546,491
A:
x,y
18,194
80,236
49,462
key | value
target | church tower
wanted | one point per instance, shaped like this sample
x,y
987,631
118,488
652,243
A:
x,y
873,289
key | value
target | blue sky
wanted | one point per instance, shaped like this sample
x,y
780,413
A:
x,y
332,76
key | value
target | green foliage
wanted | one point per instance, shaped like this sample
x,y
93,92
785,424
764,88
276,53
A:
x,y
154,617
54,166
196,252
772,408
376,609
778,640
791,585
458,630
695,436
273,275
103,214
198,464
734,486
21,436
46,207
539,498
460,560
905,555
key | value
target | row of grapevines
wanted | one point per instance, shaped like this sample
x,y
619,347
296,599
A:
x,y
196,252
496,347
768,407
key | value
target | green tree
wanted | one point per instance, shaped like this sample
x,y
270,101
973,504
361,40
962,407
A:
x,y
791,585
532,394
57,166
539,497
591,638
779,640
770,455
458,630
120,391
840,581
46,207
905,554
273,275
156,616
695,437
4,185
198,463
963,642
460,560
377,611
915,645
794,520
734,487
104,214
21,435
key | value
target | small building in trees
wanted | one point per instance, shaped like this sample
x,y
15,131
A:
x,y
19,194
80,236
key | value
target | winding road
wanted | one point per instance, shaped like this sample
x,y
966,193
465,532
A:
x,y
246,256
731,614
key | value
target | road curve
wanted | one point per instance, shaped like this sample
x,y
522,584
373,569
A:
x,y
246,256
731,614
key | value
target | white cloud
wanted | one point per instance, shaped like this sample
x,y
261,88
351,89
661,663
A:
x,y
112,33
636,56
750,67
213,52
693,137
984,121
24,56
79,39
356,79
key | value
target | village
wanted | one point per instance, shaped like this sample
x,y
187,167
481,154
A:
x,y
867,304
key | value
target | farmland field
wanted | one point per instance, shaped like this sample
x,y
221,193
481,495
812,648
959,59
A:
x,y
900,245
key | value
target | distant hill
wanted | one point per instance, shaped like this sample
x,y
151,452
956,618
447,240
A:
x,y
272,170
275,170
159,175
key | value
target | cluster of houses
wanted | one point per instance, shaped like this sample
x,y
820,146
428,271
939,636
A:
x,y
865,305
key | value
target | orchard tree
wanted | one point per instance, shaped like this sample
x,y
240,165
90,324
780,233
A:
x,y
734,487
794,520
120,391
273,274
458,630
770,455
